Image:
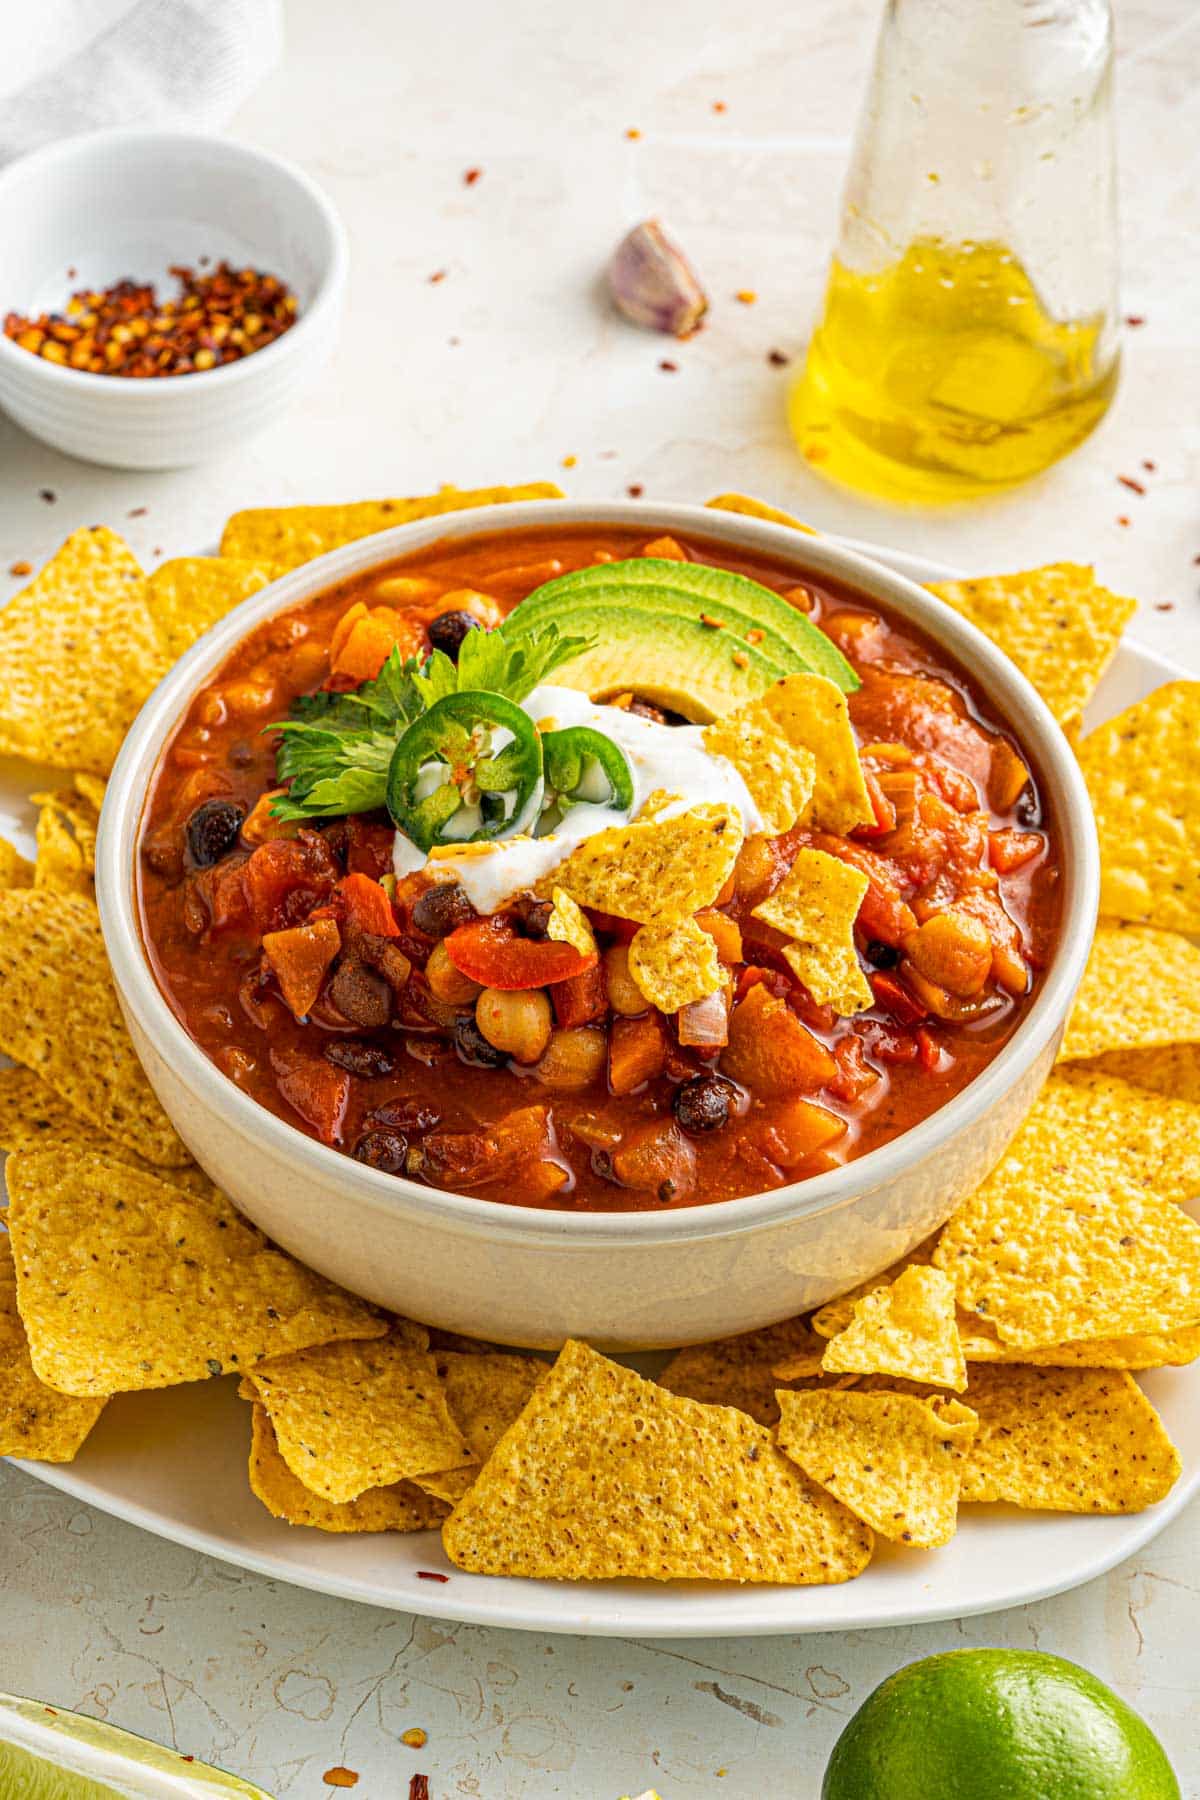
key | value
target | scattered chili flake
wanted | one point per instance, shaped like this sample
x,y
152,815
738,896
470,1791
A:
x,y
137,512
1196,560
1164,606
418,1788
635,490
48,495
438,275
777,359
72,274
754,635
1135,319
741,659
1131,482
127,330
568,462
713,624
1122,518
720,106
340,1777
1150,467
415,1738
471,177
20,568
668,367
431,1575
632,132
747,296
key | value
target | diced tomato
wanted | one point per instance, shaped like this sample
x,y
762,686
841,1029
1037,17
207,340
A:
x,y
894,998
285,879
300,958
580,998
881,806
490,952
930,1054
364,906
1009,848
854,1073
370,847
752,974
509,1150
317,1090
884,913
888,1043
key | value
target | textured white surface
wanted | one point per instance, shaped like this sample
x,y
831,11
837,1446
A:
x,y
387,107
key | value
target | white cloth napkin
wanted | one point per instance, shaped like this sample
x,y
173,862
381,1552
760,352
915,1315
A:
x,y
82,65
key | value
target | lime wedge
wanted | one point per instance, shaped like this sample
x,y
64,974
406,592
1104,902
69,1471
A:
x,y
49,1754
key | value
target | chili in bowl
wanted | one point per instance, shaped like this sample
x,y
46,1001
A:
x,y
596,920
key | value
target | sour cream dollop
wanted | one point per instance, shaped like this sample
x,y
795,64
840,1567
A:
x,y
662,758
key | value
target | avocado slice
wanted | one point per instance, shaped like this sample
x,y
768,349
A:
x,y
689,589
668,659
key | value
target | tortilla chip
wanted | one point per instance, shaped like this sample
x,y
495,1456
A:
x,y
835,1315
59,1016
188,594
1171,1069
758,509
79,655
812,715
1057,624
672,965
740,1371
398,1508
91,788
1144,1350
32,1117
1046,1261
895,1461
80,812
1067,1440
349,1417
1141,989
16,871
286,536
568,924
906,1329
1088,1129
816,904
780,775
127,1282
605,1477
485,1395
1143,774
60,866
35,1421
656,870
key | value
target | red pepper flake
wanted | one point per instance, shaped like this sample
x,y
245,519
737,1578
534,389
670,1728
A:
x,y
719,106
1150,467
414,1737
20,568
127,330
431,1575
137,512
741,659
754,635
418,1788
471,177
1196,560
340,1777
48,495
635,490
632,133
713,624
777,359
1135,319
1164,606
438,275
1132,483
747,296
1122,518
668,367
72,274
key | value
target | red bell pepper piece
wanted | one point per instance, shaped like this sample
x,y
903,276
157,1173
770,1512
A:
x,y
364,906
489,951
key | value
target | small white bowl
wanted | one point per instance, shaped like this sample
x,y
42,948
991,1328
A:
x,y
113,204
521,1275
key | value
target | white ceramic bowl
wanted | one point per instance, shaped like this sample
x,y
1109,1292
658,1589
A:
x,y
621,1280
94,209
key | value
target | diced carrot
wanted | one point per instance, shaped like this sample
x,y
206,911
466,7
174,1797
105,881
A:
x,y
667,549
285,880
881,806
260,825
369,849
300,958
365,906
1009,848
362,641
771,1052
855,1074
1008,775
317,1090
343,628
895,999
724,931
637,1052
580,998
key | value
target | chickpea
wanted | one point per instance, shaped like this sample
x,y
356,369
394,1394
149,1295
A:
x,y
248,698
469,600
573,1059
517,1023
624,994
952,950
448,983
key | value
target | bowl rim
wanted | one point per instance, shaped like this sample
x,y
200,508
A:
x,y
330,283
1030,719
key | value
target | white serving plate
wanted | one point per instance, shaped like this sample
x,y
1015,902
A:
x,y
174,1462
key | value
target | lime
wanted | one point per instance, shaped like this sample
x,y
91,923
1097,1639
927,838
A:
x,y
981,1724
49,1754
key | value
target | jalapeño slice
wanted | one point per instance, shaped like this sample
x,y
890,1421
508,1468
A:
x,y
583,765
468,769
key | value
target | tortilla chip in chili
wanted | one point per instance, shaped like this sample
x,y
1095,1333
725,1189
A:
x,y
1141,989
1143,774
894,1460
740,1371
79,654
401,1507
816,905
672,965
654,870
35,1420
59,1016
286,536
606,1476
1067,1440
906,1329
780,775
568,924
188,594
1057,624
127,1282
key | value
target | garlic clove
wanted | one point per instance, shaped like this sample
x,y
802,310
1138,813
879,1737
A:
x,y
653,283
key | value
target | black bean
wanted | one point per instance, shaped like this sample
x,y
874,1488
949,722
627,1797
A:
x,y
359,1058
882,956
1028,808
704,1103
532,914
409,1116
385,1150
474,1048
213,830
448,630
442,909
645,709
